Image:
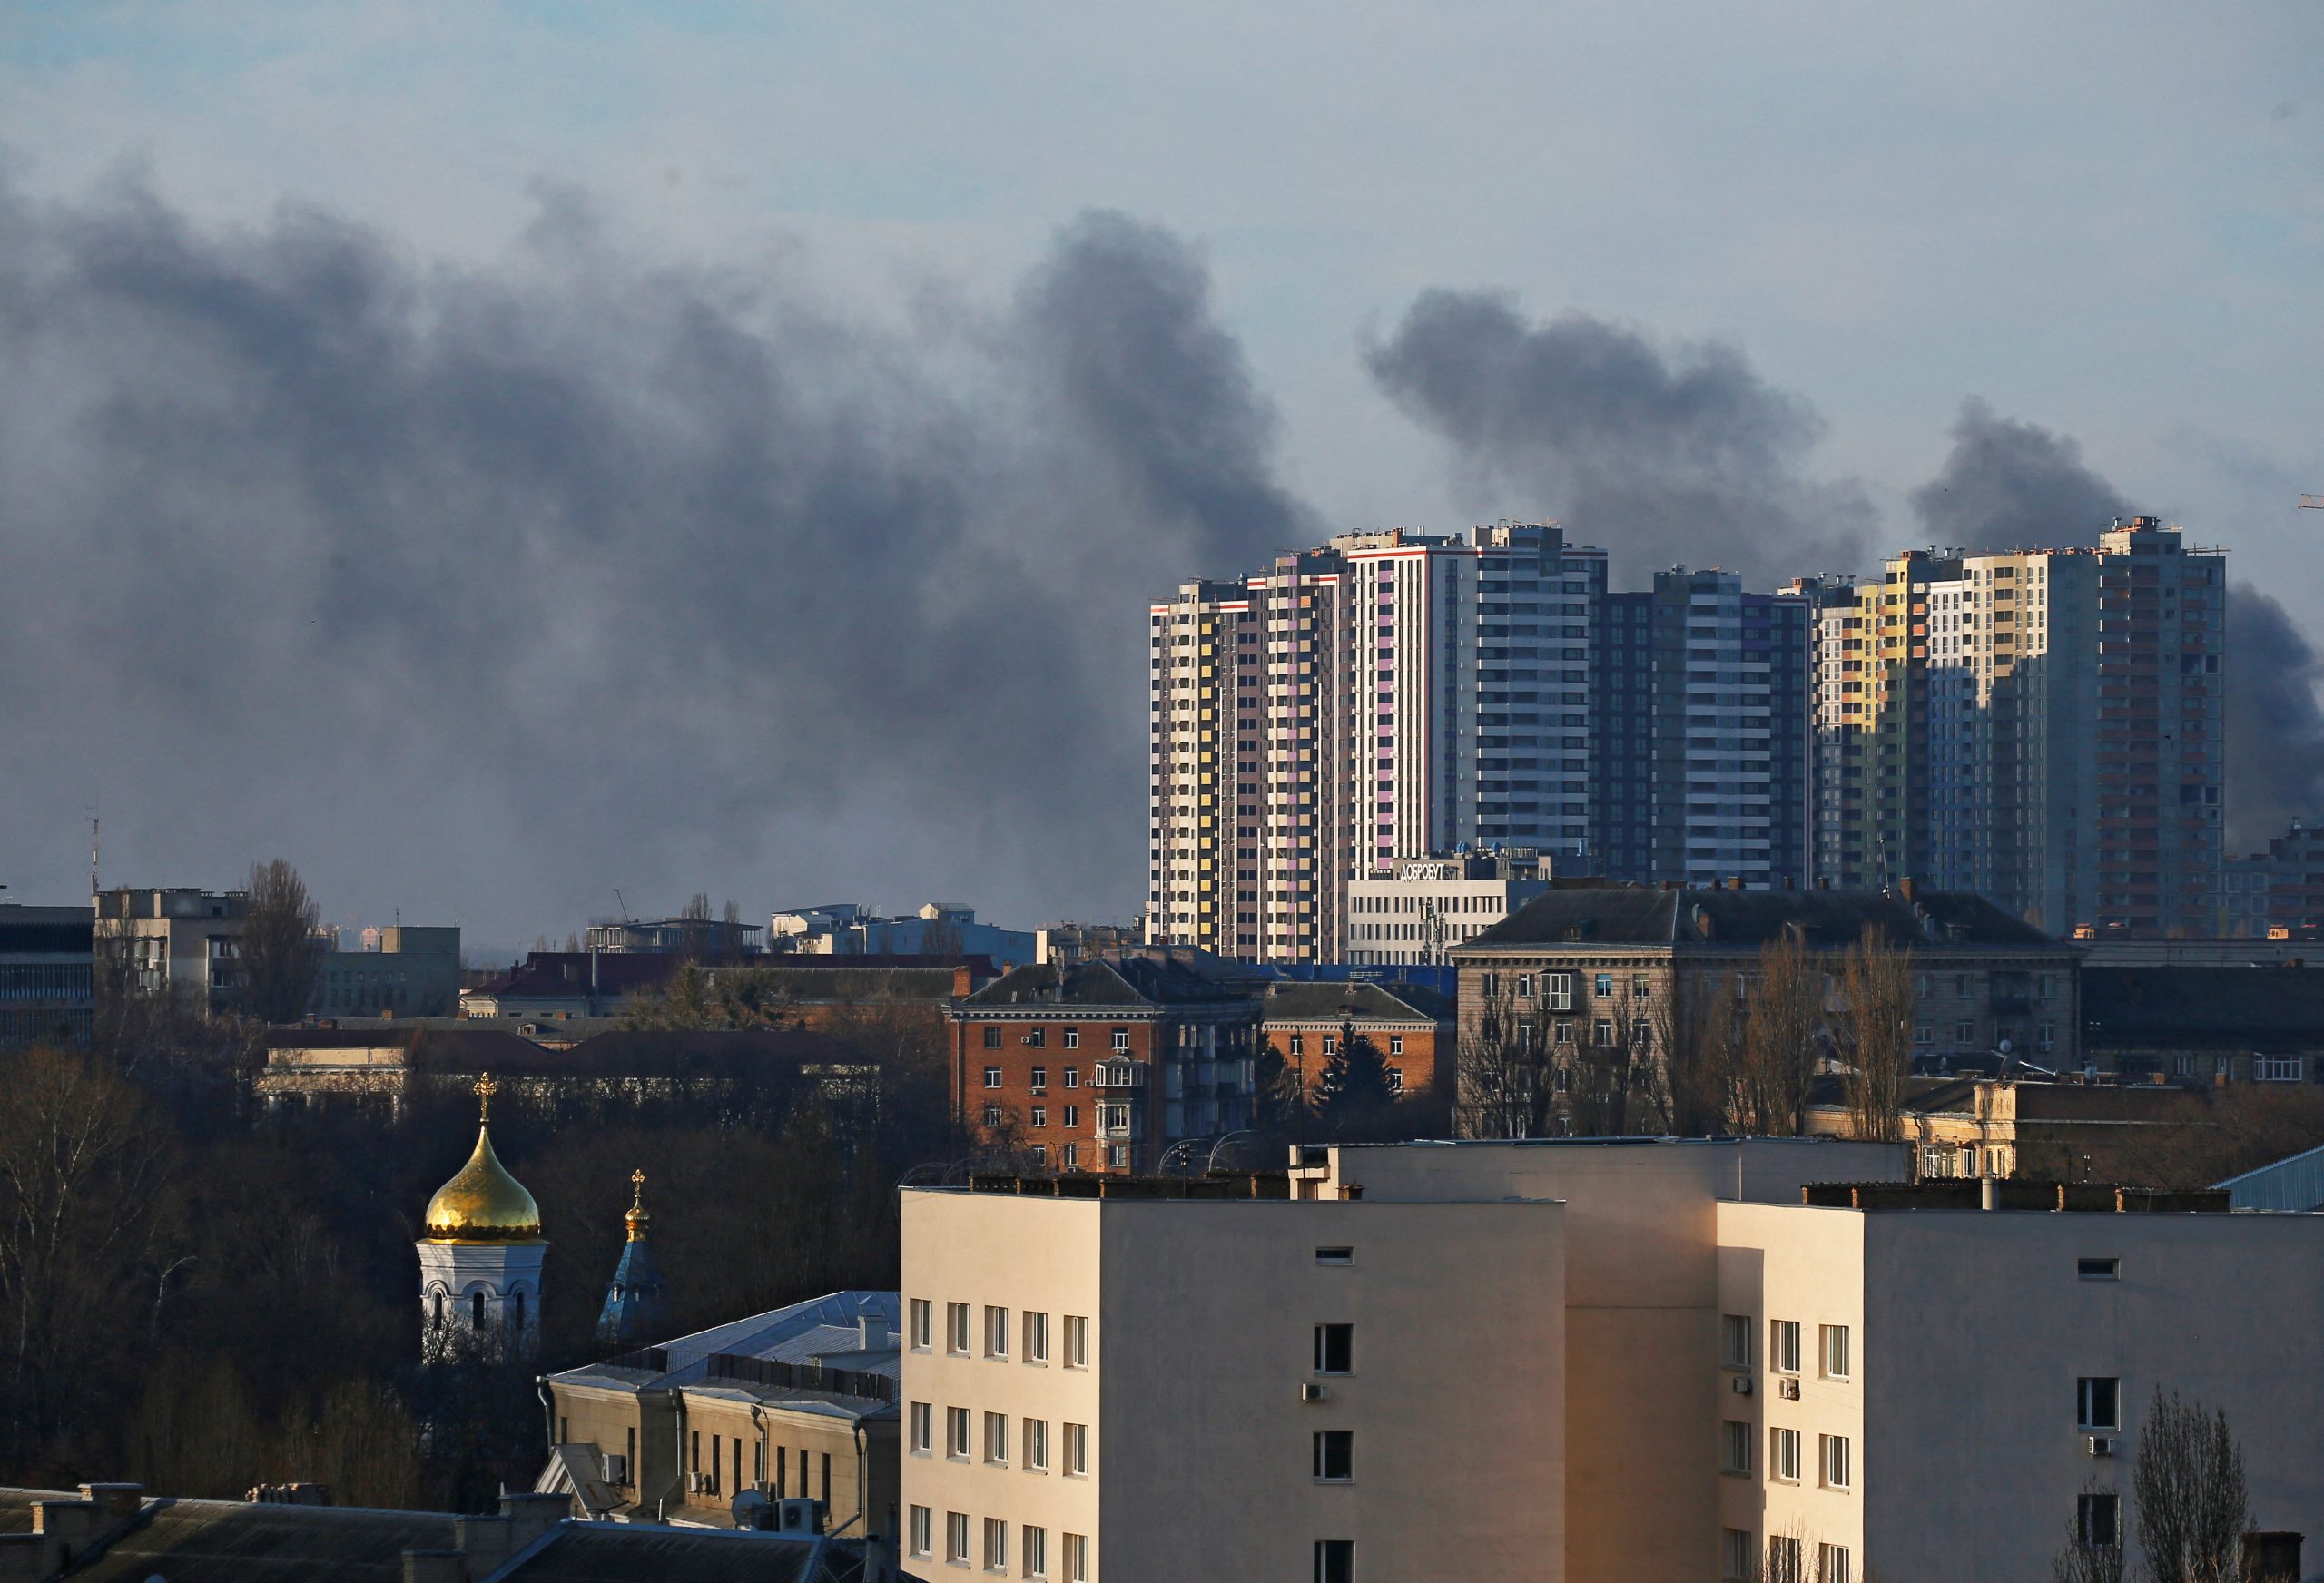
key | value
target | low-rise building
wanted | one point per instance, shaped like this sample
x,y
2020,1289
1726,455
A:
x,y
1102,1066
47,975
2073,1131
939,928
703,940
1678,1360
798,1402
182,941
1412,1028
413,971
2211,1025
1423,906
1130,1387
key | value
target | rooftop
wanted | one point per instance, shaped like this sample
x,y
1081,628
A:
x,y
1726,918
816,1349
2263,1009
1290,1000
1108,980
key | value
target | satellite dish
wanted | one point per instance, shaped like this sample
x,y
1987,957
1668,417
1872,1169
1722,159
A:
x,y
750,1509
2003,1046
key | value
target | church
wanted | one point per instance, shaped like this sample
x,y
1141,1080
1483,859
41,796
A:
x,y
481,1254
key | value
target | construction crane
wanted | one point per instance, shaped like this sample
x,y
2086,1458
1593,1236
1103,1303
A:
x,y
2311,503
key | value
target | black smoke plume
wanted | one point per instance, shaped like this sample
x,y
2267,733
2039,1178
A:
x,y
484,590
1688,456
2007,484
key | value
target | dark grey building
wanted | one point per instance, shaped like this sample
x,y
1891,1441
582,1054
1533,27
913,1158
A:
x,y
46,972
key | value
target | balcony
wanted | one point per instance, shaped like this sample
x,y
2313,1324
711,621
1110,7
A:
x,y
1118,1074
1118,1123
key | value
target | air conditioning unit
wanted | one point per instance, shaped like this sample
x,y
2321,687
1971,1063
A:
x,y
799,1515
617,1468
1790,1391
695,1486
1740,1384
1311,1392
2099,1445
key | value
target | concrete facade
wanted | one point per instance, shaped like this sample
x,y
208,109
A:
x,y
1181,1358
181,940
47,966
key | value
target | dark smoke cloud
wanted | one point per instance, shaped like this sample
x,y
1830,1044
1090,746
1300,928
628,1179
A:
x,y
2007,484
2275,732
482,591
1684,456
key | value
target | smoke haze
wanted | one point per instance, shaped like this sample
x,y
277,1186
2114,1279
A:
x,y
1660,457
485,591
2007,484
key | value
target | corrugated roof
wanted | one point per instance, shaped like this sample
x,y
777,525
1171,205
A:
x,y
823,1329
233,1541
1727,919
626,1552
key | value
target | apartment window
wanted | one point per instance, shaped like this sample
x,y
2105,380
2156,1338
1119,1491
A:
x,y
2098,1403
1334,1561
1524,985
922,1323
1117,1156
1077,1450
1783,1561
1298,1043
1335,1255
1040,1084
996,1545
992,1115
1396,1044
1033,1544
1602,986
956,1536
2098,1269
1488,984
1121,1040
1960,985
1832,1564
1783,1455
1965,1033
996,1332
1641,987
1036,1037
1037,1445
996,1437
1040,1116
2276,1068
1783,1345
1072,1119
1734,1341
1037,1337
1832,1349
956,1328
992,1077
1734,1447
1077,1342
923,1430
956,1434
1071,1039
1602,1032
1335,1455
991,1038
1561,1032
1335,1349
1076,1558
1735,1555
1832,1460
2098,1519
1923,1034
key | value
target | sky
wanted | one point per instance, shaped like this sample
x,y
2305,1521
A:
x,y
492,453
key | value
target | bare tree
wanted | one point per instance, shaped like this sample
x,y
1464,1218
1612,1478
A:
x,y
1686,1089
1876,1031
1501,1075
280,955
1777,1057
2194,1507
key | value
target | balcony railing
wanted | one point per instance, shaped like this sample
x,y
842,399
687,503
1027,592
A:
x,y
1118,1074
782,1376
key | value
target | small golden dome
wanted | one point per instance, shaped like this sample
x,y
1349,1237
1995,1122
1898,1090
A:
x,y
483,1204
638,1218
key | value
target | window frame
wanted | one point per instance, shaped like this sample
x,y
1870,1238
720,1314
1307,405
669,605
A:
x,y
1734,1327
924,1324
921,1430
1334,1447
1833,1348
1783,1347
1736,1436
1328,1333
1785,1451
2086,1395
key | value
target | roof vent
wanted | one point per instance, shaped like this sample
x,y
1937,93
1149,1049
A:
x,y
1702,920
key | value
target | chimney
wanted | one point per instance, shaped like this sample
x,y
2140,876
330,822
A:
x,y
871,1329
530,1516
1734,881
1787,883
1989,1193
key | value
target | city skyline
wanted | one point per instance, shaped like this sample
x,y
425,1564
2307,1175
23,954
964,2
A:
x,y
575,495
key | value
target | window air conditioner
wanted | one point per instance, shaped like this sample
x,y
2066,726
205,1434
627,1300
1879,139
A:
x,y
1740,1385
1790,1391
2101,1445
1311,1392
693,1483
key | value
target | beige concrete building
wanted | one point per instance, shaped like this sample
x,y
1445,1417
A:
x,y
1134,1388
180,940
412,971
1676,1360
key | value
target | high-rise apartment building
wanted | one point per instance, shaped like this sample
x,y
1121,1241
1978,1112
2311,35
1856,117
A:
x,y
1703,728
1390,694
2040,726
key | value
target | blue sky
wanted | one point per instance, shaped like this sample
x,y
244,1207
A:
x,y
2108,220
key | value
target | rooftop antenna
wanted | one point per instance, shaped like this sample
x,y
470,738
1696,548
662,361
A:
x,y
93,854
620,903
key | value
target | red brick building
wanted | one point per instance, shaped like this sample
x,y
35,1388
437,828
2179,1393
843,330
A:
x,y
1102,1065
1412,1028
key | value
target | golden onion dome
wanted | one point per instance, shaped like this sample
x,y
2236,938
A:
x,y
482,1202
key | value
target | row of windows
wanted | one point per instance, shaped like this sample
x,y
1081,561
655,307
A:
x,y
1034,1327
1037,1036
1735,1334
1786,1561
1834,1458
1556,988
1032,1439
723,1447
1032,1546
